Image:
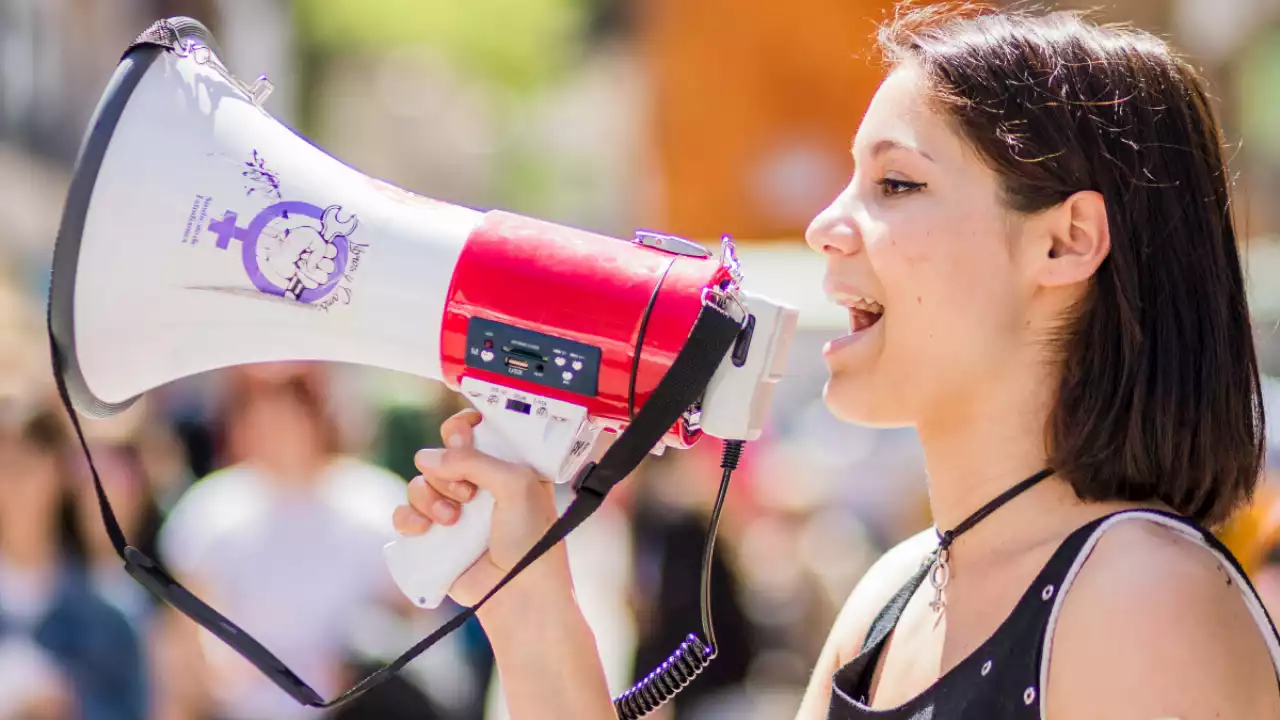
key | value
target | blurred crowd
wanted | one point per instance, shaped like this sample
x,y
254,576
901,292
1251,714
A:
x,y
268,490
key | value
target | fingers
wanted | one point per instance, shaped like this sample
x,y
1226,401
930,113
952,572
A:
x,y
431,503
433,496
323,260
459,491
446,481
408,521
457,431
445,468
452,477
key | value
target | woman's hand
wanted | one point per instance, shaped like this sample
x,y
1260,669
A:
x,y
545,651
524,507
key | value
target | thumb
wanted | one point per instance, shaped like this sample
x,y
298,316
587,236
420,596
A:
x,y
459,429
507,482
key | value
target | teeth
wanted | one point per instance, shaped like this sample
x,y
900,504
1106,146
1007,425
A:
x,y
868,305
858,302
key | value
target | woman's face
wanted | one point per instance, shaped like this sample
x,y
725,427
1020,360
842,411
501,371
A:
x,y
921,236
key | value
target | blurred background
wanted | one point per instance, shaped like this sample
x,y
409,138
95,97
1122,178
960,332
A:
x,y
696,117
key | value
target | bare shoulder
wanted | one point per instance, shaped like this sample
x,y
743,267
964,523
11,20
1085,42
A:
x,y
1154,626
877,586
881,581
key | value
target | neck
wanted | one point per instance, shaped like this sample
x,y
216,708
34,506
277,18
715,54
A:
x,y
984,445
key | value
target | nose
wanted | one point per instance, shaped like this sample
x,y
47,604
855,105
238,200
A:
x,y
833,231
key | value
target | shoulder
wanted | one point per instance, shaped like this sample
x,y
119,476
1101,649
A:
x,y
216,504
877,586
351,478
1153,625
228,486
349,473
880,583
364,493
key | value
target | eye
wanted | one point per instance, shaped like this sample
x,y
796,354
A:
x,y
892,186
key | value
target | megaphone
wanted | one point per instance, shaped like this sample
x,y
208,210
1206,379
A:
x,y
202,233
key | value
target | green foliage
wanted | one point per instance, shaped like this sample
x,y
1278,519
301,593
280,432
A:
x,y
519,44
1259,88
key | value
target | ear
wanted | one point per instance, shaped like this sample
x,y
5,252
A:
x,y
1074,241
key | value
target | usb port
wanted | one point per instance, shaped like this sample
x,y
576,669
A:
x,y
517,363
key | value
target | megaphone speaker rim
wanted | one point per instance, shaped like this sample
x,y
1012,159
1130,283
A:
x,y
66,248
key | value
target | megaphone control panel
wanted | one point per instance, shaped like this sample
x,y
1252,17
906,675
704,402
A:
x,y
533,357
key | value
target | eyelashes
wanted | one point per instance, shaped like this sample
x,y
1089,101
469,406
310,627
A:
x,y
890,187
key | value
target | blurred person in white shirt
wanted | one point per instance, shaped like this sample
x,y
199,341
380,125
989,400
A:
x,y
285,542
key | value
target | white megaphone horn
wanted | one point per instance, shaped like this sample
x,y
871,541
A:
x,y
202,233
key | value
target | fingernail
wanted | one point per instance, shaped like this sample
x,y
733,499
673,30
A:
x,y
443,509
454,441
464,489
418,523
427,458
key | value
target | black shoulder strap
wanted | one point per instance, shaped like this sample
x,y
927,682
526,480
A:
x,y
888,618
884,624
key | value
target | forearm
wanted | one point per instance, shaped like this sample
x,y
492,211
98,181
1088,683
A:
x,y
545,652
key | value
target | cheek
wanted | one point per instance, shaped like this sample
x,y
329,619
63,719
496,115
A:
x,y
943,291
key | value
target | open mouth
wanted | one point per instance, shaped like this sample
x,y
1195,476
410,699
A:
x,y
860,319
864,312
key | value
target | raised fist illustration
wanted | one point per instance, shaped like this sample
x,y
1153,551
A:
x,y
298,256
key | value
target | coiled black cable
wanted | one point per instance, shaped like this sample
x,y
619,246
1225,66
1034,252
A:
x,y
693,654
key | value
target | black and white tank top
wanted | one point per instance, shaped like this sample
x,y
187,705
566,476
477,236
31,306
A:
x,y
1004,677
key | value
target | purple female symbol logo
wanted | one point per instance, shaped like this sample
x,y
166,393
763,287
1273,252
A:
x,y
292,249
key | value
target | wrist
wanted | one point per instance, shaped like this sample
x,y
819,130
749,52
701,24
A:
x,y
544,590
544,650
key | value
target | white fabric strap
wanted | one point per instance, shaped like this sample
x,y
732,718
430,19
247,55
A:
x,y
1251,599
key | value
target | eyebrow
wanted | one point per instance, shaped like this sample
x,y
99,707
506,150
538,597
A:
x,y
884,145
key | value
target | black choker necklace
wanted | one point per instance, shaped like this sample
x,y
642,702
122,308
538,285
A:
x,y
940,569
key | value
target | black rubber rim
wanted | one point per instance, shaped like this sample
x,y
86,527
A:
x,y
66,248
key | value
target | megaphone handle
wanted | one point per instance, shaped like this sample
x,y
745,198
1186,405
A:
x,y
425,566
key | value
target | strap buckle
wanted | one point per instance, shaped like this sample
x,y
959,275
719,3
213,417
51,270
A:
x,y
589,480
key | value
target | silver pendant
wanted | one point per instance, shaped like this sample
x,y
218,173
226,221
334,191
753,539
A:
x,y
939,576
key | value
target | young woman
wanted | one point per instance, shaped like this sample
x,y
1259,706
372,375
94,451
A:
x,y
1040,266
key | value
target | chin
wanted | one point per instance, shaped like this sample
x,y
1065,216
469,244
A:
x,y
855,403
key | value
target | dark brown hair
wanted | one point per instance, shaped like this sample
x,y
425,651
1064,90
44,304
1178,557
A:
x,y
1160,397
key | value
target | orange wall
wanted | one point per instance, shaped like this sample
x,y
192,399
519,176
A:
x,y
754,105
